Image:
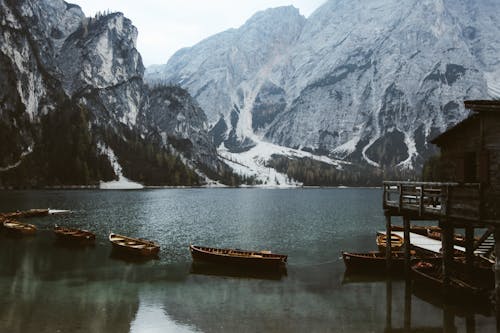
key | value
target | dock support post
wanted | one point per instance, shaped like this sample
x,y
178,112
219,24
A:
x,y
407,319
470,324
448,320
497,276
407,244
388,250
388,304
469,250
448,249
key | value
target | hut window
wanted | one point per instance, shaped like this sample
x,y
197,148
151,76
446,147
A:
x,y
470,167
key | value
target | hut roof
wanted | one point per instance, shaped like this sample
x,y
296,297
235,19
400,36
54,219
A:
x,y
483,105
477,106
455,129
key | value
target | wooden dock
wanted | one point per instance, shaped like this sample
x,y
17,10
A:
x,y
421,242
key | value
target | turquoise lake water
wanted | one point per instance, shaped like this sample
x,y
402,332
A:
x,y
45,287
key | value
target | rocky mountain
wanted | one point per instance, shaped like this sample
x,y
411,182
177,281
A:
x,y
74,104
224,72
176,116
367,82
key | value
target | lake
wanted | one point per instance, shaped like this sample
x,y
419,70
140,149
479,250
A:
x,y
45,287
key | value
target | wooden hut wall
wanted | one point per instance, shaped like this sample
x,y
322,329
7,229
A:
x,y
491,155
455,148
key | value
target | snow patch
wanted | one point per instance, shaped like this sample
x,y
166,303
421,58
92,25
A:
x,y
348,147
493,83
123,183
252,163
15,165
412,152
367,159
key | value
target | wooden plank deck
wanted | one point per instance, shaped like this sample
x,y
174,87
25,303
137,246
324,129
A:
x,y
423,242
433,200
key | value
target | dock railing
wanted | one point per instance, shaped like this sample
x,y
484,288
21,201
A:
x,y
434,199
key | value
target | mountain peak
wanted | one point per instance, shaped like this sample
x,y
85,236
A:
x,y
281,13
365,81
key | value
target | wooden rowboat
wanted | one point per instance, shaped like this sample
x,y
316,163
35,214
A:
x,y
375,262
433,232
396,242
134,246
263,259
483,273
71,235
417,229
18,228
429,275
28,213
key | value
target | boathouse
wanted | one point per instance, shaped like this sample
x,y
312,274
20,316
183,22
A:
x,y
467,196
470,153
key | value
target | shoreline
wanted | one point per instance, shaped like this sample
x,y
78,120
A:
x,y
159,187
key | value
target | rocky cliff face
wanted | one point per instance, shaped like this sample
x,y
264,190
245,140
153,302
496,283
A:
x,y
176,116
225,73
52,59
109,74
28,86
369,82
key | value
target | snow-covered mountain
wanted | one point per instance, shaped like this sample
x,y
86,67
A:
x,y
84,76
362,81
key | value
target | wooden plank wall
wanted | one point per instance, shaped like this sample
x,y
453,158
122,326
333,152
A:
x,y
453,150
492,145
468,139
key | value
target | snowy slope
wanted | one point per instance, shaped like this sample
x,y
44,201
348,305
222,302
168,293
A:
x,y
252,163
123,183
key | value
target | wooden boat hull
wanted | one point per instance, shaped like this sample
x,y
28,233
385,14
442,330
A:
x,y
238,257
396,242
421,230
134,246
27,213
18,229
74,236
433,232
483,272
375,262
427,275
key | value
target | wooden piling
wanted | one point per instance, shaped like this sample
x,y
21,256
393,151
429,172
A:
x,y
388,250
388,304
407,310
469,250
448,320
407,244
497,275
448,249
470,323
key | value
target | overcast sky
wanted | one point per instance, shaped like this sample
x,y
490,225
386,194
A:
x,y
168,25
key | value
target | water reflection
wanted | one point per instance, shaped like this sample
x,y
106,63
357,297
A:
x,y
237,272
126,257
45,287
43,294
353,277
451,312
152,318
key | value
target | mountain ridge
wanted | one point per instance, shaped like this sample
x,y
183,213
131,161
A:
x,y
364,82
75,105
